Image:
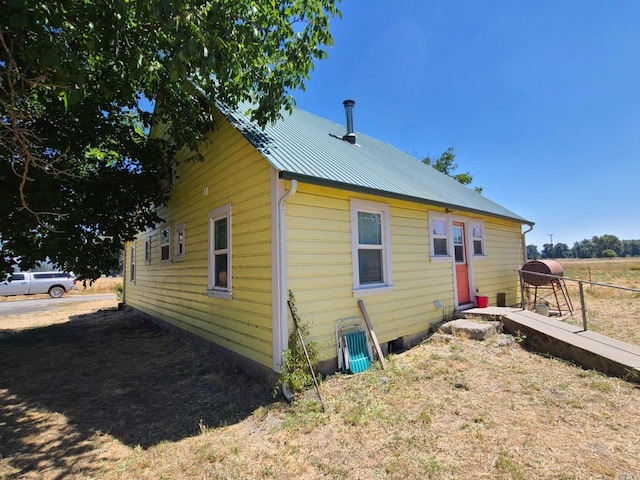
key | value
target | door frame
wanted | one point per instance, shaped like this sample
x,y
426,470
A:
x,y
471,257
465,263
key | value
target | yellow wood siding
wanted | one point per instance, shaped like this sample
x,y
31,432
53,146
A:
x,y
498,272
319,266
233,173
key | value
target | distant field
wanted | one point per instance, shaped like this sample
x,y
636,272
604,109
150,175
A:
x,y
101,285
611,312
614,270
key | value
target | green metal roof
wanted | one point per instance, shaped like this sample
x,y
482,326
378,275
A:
x,y
309,148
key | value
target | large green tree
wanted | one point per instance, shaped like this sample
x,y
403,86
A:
x,y
446,163
562,250
79,171
533,253
559,250
631,248
606,242
583,249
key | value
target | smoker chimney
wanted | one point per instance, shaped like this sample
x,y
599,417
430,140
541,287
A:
x,y
348,110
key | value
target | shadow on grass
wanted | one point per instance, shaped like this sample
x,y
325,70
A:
x,y
64,386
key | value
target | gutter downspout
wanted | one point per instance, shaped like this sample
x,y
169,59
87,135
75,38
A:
x,y
524,291
125,271
283,321
524,244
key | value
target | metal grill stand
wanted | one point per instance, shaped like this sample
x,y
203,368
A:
x,y
547,275
556,289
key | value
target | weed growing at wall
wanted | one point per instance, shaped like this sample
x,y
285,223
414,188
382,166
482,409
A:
x,y
295,369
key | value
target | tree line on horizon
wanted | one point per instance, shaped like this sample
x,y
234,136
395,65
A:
x,y
605,246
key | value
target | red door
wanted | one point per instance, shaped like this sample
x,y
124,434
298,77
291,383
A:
x,y
462,272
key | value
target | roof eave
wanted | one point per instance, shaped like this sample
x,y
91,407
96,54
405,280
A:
x,y
287,175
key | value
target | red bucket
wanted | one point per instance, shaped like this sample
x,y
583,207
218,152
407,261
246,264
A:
x,y
482,301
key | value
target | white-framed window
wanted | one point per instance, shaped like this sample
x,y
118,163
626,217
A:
x,y
178,242
132,264
371,247
477,235
147,250
439,235
446,246
165,244
220,274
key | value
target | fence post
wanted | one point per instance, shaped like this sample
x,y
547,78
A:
x,y
583,306
522,302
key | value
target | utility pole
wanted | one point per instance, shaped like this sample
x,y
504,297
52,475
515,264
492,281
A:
x,y
551,236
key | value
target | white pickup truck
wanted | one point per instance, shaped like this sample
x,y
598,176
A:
x,y
55,284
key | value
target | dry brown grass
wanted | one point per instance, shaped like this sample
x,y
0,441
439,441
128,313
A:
x,y
611,312
101,285
106,395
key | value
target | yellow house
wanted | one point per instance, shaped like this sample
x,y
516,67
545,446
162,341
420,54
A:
x,y
332,216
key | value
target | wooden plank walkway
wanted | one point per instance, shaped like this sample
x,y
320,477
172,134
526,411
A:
x,y
549,335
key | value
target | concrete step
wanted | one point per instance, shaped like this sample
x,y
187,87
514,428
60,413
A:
x,y
474,330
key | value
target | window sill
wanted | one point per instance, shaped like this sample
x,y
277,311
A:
x,y
366,291
224,294
479,257
178,258
441,259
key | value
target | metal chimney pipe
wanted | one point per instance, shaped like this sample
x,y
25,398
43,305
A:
x,y
348,110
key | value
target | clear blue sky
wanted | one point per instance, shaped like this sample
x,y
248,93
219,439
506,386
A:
x,y
540,98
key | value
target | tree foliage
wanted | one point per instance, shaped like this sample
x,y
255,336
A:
x,y
79,170
606,242
630,248
559,250
597,246
533,253
562,250
547,251
446,163
583,249
605,246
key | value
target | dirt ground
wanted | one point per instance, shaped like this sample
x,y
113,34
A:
x,y
97,393
80,390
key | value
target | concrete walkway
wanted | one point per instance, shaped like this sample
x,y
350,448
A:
x,y
549,335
